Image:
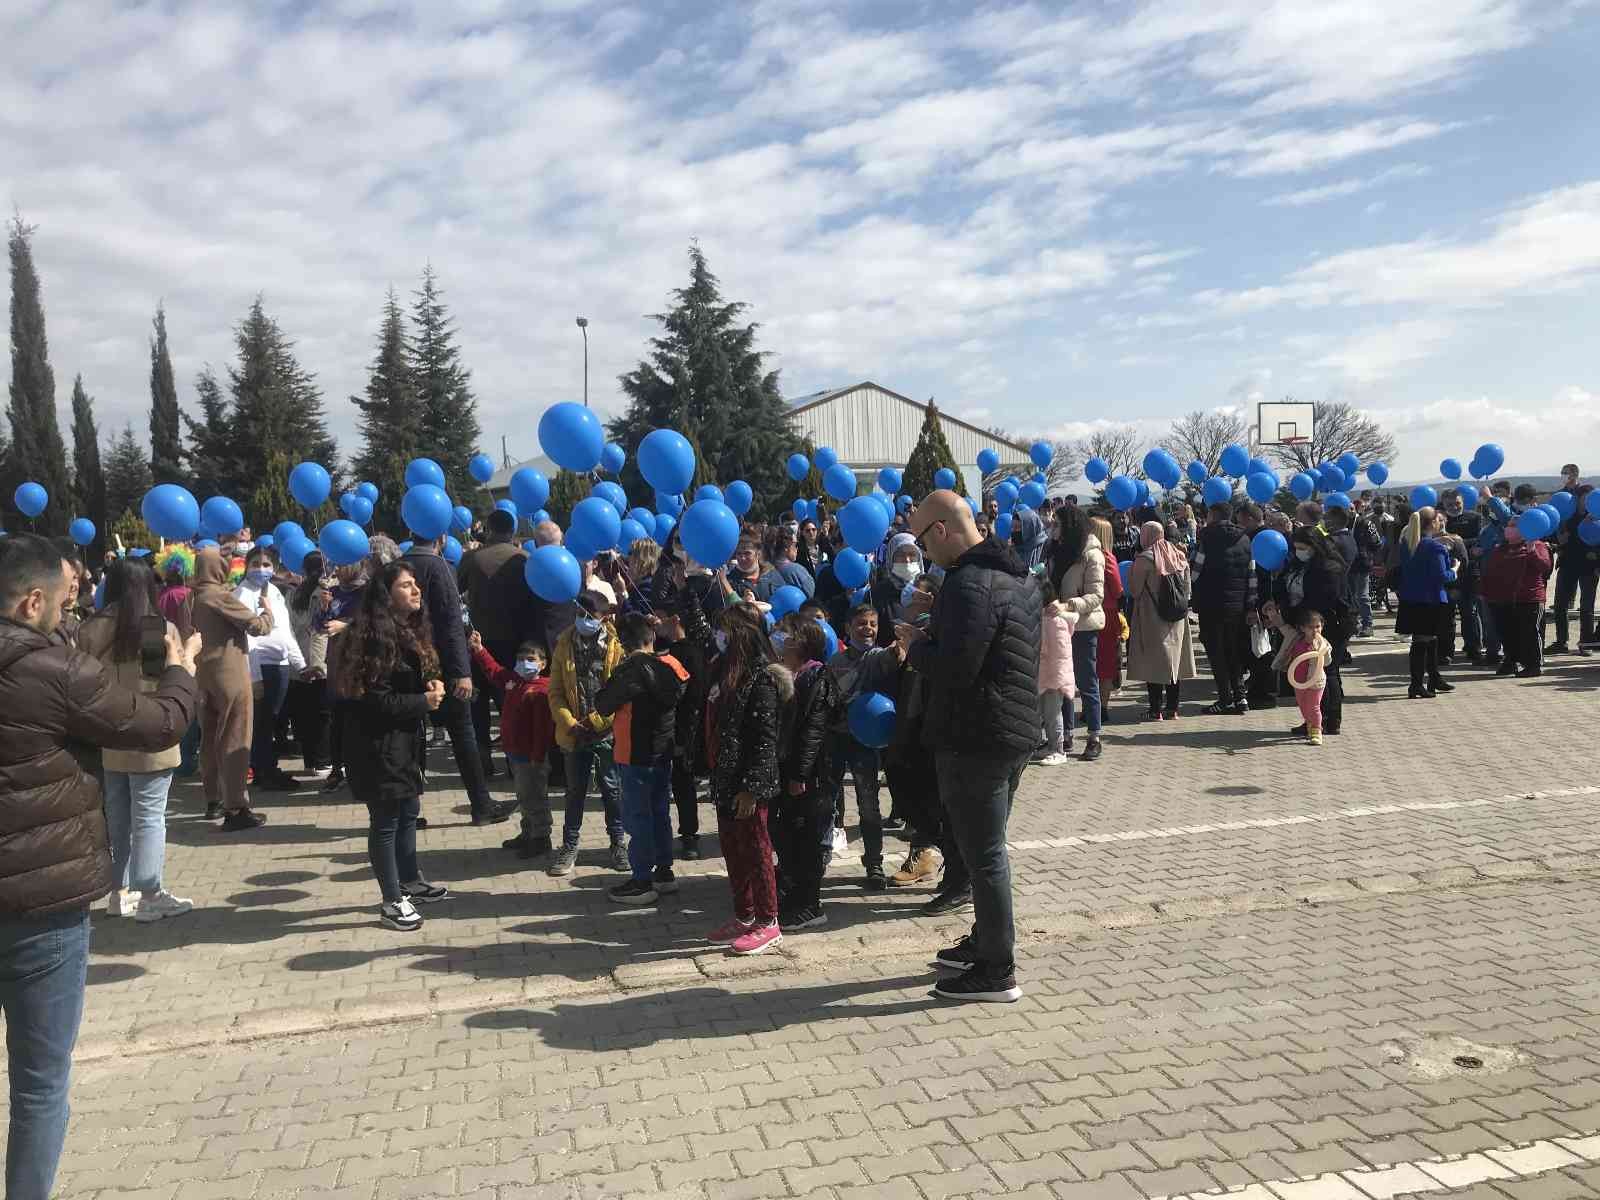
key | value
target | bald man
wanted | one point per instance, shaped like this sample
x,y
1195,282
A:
x,y
980,656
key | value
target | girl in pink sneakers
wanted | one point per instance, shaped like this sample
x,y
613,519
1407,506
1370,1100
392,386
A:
x,y
743,710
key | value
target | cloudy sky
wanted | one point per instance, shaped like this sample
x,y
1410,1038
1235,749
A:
x,y
1043,215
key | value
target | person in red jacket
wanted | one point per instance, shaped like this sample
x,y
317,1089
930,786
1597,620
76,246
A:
x,y
1514,578
527,731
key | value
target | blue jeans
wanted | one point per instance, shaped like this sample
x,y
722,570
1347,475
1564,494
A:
x,y
1086,667
392,844
863,764
263,749
43,966
978,793
136,819
1359,584
581,764
1491,633
647,812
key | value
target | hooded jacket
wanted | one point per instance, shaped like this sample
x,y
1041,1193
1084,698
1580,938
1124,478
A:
x,y
641,698
981,657
225,626
54,853
566,690
1222,587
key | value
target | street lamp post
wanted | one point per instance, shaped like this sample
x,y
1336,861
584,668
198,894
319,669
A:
x,y
583,324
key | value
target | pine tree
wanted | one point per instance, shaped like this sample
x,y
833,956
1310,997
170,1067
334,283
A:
x,y
270,500
705,378
127,474
210,438
132,531
37,451
566,489
88,480
930,454
274,402
391,419
166,429
443,389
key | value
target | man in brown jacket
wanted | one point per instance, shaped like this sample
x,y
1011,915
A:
x,y
55,860
225,627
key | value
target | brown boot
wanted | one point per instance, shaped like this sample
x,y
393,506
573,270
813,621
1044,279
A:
x,y
921,867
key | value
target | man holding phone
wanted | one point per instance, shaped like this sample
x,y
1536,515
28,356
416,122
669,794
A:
x,y
56,852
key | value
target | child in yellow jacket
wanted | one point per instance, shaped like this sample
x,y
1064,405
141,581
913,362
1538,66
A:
x,y
584,658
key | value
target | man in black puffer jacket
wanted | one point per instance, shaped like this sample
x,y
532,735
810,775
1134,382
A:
x,y
1221,591
980,657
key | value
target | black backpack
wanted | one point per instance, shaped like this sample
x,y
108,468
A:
x,y
1172,596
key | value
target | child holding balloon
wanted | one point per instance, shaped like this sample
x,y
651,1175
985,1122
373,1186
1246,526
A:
x,y
1305,658
1514,581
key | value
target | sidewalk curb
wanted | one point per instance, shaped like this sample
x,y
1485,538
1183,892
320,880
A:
x,y
800,956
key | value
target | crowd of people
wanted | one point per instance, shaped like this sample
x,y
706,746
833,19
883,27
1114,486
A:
x,y
666,682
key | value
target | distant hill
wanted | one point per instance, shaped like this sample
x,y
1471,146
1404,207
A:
x,y
1543,484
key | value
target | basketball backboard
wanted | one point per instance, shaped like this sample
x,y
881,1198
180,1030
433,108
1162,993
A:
x,y
1284,422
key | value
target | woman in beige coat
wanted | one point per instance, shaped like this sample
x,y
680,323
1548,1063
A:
x,y
1160,652
1077,570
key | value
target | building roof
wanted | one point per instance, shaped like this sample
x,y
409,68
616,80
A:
x,y
876,430
501,479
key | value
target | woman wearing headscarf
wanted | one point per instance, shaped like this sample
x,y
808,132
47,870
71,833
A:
x,y
1108,650
1160,652
222,673
1077,569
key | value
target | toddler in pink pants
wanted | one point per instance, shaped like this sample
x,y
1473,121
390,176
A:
x,y
1305,657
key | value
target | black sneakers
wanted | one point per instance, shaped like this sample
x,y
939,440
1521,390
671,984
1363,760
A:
x,y
401,916
979,985
635,891
876,881
947,902
689,847
420,891
244,819
665,881
960,957
801,918
534,848
495,814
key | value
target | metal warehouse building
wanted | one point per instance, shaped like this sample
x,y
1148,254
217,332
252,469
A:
x,y
869,428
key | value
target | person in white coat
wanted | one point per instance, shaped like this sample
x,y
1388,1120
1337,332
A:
x,y
275,659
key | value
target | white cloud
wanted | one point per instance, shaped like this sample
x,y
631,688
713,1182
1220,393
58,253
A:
x,y
1380,351
1346,187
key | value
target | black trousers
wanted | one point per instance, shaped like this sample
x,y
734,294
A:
x,y
1518,626
1163,696
455,717
799,825
685,799
504,653
1227,642
1333,689
914,794
308,704
1570,585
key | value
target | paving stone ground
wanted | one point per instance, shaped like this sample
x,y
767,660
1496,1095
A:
x,y
1236,949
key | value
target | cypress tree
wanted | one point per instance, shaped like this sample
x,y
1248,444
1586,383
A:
x,y
210,438
88,480
127,475
705,378
449,433
37,451
566,489
930,454
391,418
166,429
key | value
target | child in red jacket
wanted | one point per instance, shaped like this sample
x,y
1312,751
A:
x,y
1514,577
527,732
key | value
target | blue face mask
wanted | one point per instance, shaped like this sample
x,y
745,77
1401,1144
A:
x,y
528,668
721,639
261,576
587,626
779,640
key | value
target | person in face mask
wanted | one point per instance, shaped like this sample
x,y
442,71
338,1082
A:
x,y
1314,581
527,732
275,658
903,565
585,657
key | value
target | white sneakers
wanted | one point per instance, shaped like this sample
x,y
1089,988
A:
x,y
160,906
1057,759
122,903
402,916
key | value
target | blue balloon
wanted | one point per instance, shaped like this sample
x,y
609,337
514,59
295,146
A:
x,y
612,494
342,543
1002,526
220,515
1591,503
1123,567
481,468
1469,498
1303,485
1500,510
831,639
1489,459
1565,503
839,481
1031,495
405,546
709,532
368,491
1534,523
1217,491
739,496
1450,468
171,512
612,456
1155,463
426,511
988,463
529,488
903,504
1336,500
825,458
539,518
798,466
509,506
710,491
1589,532
424,470
359,509
1270,549
1259,466
292,553
344,504
666,460
851,569
31,500
1553,513
81,531
972,503
944,478
1377,474
553,574
460,518
308,484
1141,493
1096,470
1235,460
1042,454
1005,495
1261,487
597,522
1423,496
1121,493
631,532
672,505
663,526
451,550
571,437
872,719
801,509
287,531
1197,472
266,541
1349,463
643,515
889,480
863,522
786,600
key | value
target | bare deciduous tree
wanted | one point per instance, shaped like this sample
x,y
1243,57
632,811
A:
x,y
1122,447
1340,428
1203,436
1065,468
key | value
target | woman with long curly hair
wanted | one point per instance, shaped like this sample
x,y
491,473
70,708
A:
x,y
387,680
